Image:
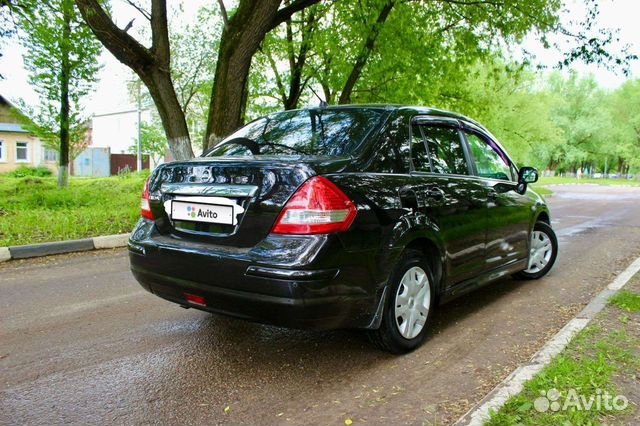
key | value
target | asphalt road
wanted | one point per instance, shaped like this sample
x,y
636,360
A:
x,y
80,342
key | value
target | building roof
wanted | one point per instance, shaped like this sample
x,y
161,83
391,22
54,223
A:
x,y
7,102
12,128
11,117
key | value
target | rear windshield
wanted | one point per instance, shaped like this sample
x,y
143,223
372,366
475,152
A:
x,y
331,132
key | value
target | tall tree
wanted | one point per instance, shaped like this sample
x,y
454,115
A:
x,y
624,120
242,34
194,43
61,57
151,64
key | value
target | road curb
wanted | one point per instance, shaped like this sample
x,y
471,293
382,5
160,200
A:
x,y
60,247
514,383
110,241
5,254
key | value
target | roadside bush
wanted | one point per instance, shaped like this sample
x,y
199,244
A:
x,y
25,171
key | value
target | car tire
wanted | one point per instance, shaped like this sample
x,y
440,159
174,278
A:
x,y
544,246
409,304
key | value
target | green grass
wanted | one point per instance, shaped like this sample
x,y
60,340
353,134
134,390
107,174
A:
x,y
627,301
587,366
560,180
541,186
542,190
34,210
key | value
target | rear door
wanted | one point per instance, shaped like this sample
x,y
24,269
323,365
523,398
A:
x,y
508,213
448,194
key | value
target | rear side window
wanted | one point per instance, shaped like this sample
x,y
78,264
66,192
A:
x,y
490,162
331,132
445,150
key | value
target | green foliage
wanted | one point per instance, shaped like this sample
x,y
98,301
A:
x,y
623,133
33,210
24,171
425,55
507,99
50,52
599,128
153,141
422,48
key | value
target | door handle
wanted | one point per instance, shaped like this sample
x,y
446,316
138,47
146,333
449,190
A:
x,y
434,193
408,198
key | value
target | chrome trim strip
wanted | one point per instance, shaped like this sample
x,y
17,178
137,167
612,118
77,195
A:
x,y
210,190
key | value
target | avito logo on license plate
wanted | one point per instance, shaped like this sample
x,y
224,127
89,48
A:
x,y
198,212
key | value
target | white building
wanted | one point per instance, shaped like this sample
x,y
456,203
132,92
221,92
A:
x,y
113,143
117,130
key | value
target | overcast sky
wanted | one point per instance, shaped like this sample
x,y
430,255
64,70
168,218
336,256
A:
x,y
111,94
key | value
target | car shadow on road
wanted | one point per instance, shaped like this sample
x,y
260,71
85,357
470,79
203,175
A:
x,y
236,337
449,314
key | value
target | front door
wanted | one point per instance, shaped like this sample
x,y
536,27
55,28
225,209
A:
x,y
508,213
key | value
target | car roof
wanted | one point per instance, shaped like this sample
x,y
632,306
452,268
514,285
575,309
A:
x,y
412,109
419,110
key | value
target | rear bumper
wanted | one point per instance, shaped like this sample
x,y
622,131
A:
x,y
298,282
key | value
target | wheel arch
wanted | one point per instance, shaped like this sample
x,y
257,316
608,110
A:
x,y
543,216
434,255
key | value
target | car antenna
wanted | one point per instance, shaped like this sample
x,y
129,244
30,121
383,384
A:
x,y
323,104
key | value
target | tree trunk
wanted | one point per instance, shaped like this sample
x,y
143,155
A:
x,y
151,65
240,41
161,89
365,53
242,35
65,72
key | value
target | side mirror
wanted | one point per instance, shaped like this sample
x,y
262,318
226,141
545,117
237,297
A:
x,y
527,175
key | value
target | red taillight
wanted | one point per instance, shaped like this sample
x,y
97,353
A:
x,y
145,206
196,300
318,207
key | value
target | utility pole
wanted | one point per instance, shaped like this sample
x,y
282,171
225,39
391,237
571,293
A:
x,y
139,110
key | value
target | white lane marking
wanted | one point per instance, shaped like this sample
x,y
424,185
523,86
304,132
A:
x,y
514,383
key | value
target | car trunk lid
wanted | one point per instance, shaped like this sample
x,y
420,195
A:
x,y
245,194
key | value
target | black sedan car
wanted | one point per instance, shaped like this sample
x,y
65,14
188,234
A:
x,y
342,217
